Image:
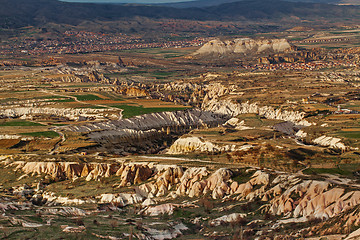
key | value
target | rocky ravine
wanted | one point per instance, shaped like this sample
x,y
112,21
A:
x,y
146,133
294,198
71,114
226,107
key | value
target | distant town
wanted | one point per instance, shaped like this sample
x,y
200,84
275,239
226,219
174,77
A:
x,y
87,42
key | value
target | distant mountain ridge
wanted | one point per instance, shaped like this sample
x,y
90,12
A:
x,y
21,13
209,3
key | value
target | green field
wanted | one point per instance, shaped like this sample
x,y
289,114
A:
x,y
63,100
87,97
349,134
93,107
49,97
19,123
343,169
113,96
8,100
47,134
131,111
162,75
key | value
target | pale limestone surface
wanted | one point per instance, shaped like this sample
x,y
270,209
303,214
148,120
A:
x,y
285,195
226,107
331,142
69,113
197,144
243,46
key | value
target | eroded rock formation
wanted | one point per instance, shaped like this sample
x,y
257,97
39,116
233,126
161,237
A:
x,y
331,142
145,133
71,114
196,144
226,107
294,198
244,46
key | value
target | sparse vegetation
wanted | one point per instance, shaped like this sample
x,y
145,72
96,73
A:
x,y
86,174
46,134
87,97
19,123
131,111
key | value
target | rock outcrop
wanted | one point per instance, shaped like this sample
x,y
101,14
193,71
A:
x,y
71,114
190,183
354,235
167,208
244,46
66,170
133,91
236,123
176,119
228,108
122,199
174,232
197,144
233,217
288,196
331,142
145,133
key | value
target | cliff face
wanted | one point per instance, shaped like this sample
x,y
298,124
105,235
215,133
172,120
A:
x,y
66,170
282,194
145,133
218,100
71,114
133,91
196,144
295,56
244,46
155,189
89,74
331,142
229,108
186,118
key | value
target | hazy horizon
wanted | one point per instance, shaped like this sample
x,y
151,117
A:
x,y
127,1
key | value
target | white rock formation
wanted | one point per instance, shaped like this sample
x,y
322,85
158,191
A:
x,y
175,232
354,235
122,199
285,195
71,114
6,136
330,142
214,90
167,208
244,46
52,199
197,144
233,217
69,170
314,199
182,86
236,123
145,132
158,121
70,229
226,107
301,134
64,211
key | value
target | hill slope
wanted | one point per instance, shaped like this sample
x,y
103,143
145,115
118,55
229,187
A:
x,y
209,3
272,9
20,13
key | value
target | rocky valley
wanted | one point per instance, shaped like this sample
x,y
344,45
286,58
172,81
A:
x,y
234,121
